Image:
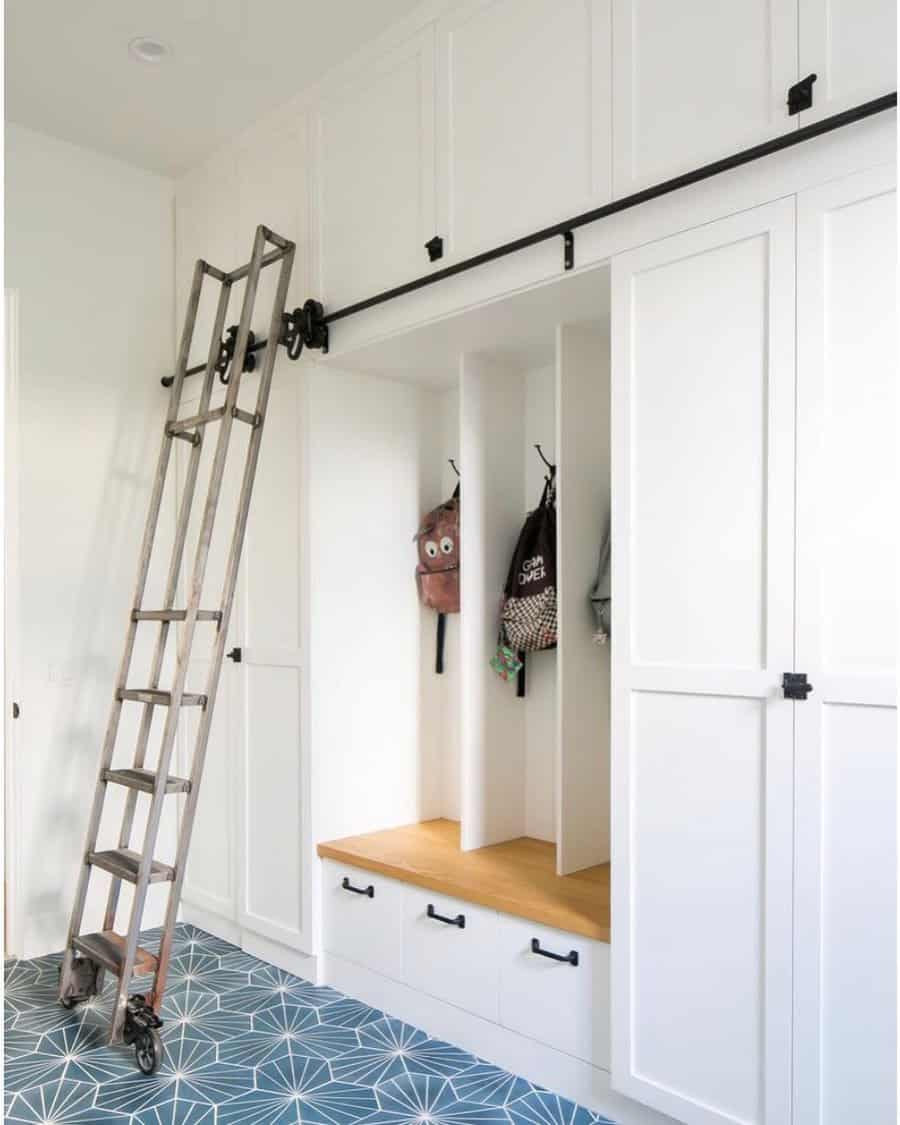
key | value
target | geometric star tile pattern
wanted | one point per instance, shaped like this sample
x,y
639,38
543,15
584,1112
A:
x,y
248,1044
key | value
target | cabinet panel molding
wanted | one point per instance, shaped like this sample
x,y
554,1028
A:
x,y
695,81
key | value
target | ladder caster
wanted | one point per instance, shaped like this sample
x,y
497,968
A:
x,y
141,1030
148,1051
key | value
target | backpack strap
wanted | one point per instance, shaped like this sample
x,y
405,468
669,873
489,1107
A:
x,y
439,645
520,677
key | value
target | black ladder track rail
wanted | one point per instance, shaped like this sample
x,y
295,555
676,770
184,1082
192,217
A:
x,y
309,325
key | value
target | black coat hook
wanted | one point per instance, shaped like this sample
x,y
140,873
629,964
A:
x,y
549,464
452,465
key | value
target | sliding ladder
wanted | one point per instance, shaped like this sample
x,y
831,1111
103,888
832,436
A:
x,y
87,956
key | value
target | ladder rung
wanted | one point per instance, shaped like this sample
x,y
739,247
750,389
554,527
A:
x,y
179,427
174,615
145,780
108,949
245,416
161,698
124,864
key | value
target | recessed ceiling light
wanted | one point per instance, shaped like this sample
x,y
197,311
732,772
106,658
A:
x,y
147,50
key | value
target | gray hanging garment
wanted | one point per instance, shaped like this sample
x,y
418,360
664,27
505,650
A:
x,y
600,594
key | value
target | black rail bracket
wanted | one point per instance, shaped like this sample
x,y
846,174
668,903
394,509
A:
x,y
435,248
569,249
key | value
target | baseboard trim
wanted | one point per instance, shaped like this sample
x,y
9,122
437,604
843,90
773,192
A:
x,y
291,960
571,1077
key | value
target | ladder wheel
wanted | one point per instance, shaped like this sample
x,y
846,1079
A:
x,y
148,1051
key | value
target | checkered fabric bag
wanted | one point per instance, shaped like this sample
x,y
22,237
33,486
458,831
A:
x,y
528,615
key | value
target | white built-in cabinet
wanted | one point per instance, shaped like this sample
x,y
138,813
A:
x,y
754,838
524,120
374,174
503,116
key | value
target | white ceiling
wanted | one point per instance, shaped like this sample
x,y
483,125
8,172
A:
x,y
69,73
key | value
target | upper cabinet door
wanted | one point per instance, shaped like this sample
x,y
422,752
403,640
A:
x,y
374,196
851,47
702,739
697,80
524,110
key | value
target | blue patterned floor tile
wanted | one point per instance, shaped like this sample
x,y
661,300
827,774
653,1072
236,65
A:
x,y
414,1098
203,971
177,1113
348,1013
485,1082
246,1043
291,1090
202,1015
543,1108
62,1103
288,1028
389,1048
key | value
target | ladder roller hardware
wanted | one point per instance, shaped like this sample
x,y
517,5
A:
x,y
134,1019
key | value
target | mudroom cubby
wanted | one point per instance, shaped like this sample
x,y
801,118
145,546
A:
x,y
461,749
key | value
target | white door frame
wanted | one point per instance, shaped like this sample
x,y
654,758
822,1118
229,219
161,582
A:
x,y
9,613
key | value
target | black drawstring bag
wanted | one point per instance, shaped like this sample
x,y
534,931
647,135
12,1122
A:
x,y
528,613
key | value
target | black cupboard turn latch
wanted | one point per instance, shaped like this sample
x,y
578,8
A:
x,y
800,95
796,686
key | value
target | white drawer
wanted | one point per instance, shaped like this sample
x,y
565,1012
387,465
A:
x,y
456,963
363,927
564,1006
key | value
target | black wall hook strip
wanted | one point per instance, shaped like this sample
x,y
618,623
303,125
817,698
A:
x,y
705,172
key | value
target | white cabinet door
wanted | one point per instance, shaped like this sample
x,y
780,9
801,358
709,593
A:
x,y
524,107
702,742
273,843
249,860
851,47
695,81
455,960
374,161
846,781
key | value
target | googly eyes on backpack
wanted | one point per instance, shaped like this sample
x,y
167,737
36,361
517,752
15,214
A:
x,y
431,549
447,545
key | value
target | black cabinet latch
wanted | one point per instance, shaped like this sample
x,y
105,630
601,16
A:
x,y
800,95
236,655
435,248
796,686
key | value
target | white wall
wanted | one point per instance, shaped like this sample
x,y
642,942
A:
x,y
89,250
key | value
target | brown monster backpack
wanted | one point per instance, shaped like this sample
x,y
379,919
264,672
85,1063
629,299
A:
x,y
437,575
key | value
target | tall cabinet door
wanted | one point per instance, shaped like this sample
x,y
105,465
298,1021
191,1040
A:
x,y
702,739
695,81
846,879
851,47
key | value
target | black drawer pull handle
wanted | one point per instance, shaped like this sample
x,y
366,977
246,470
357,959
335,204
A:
x,y
348,886
571,956
459,920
